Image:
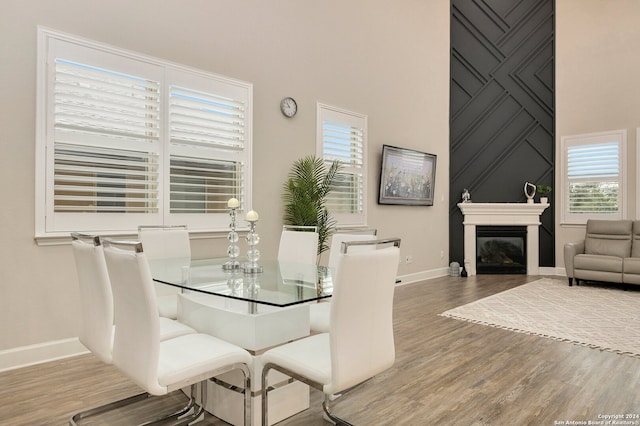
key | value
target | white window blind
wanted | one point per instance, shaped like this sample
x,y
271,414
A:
x,y
106,140
124,140
594,176
342,137
207,132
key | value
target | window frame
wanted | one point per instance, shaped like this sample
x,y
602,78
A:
x,y
353,119
46,227
637,173
619,136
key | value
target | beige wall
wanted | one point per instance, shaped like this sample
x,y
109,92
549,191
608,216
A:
x,y
388,60
597,84
393,67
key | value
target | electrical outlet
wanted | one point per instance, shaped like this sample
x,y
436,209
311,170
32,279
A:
x,y
408,259
441,254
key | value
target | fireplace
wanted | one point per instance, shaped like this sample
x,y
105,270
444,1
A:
x,y
502,214
501,249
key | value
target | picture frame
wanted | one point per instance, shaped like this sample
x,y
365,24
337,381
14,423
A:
x,y
407,177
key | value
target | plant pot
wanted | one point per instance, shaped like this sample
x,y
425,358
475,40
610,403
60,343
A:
x,y
544,200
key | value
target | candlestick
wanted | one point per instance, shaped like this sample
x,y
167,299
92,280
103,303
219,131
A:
x,y
233,203
253,254
233,251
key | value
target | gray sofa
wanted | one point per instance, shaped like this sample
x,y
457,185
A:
x,y
610,252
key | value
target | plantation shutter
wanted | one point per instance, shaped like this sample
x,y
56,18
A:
x,y
593,172
594,178
106,140
343,139
207,142
125,139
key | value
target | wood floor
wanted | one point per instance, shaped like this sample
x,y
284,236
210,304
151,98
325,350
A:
x,y
447,372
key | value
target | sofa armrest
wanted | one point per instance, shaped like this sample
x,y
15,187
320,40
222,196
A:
x,y
570,251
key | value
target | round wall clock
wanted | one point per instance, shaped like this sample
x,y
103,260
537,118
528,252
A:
x,y
289,107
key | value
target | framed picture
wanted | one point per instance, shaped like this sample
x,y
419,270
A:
x,y
407,177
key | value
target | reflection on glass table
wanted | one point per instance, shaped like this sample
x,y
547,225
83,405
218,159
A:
x,y
281,284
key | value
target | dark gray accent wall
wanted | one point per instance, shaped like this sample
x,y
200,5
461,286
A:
x,y
502,107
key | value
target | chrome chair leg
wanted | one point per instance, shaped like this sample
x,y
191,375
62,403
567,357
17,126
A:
x,y
203,399
199,410
247,396
265,394
107,407
176,415
335,419
73,421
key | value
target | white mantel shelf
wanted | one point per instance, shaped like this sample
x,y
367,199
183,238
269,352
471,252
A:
x,y
502,214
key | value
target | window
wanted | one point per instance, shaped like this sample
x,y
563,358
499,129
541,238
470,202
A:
x,y
594,184
342,136
125,140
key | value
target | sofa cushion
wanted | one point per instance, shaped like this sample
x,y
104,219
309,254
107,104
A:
x,y
598,262
635,245
631,265
609,238
631,273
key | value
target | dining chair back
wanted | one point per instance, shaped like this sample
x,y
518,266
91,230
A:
x,y
320,312
360,343
96,300
350,234
160,367
361,322
298,244
164,242
136,345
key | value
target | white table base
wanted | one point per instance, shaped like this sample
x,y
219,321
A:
x,y
268,326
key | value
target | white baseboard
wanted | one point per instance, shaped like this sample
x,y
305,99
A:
x,y
24,356
441,272
423,275
552,270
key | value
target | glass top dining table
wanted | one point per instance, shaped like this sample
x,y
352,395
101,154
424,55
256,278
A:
x,y
280,284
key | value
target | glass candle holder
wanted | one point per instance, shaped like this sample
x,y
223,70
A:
x,y
233,251
253,254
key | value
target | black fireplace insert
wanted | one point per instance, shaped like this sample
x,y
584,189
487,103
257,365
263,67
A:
x,y
501,250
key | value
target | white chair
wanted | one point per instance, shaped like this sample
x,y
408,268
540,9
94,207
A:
x,y
96,297
320,312
96,300
360,343
162,367
349,234
298,244
164,242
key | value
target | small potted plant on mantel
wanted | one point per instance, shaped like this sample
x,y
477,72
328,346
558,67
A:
x,y
543,190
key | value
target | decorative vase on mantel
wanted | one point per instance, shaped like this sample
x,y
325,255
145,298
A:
x,y
529,191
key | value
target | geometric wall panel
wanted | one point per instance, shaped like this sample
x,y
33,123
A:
x,y
502,108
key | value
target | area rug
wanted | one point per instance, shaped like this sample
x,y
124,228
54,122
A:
x,y
601,317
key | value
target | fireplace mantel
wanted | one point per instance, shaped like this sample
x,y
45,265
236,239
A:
x,y
505,214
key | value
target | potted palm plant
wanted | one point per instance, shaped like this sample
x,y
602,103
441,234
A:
x,y
304,196
543,190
